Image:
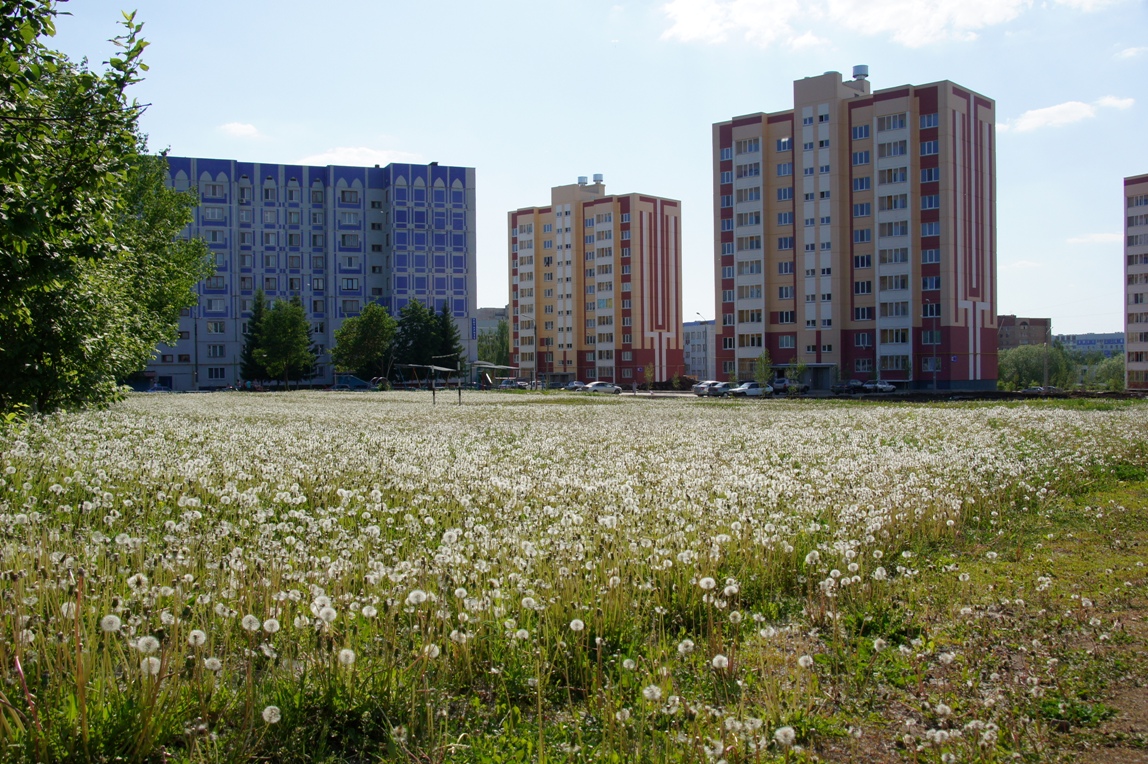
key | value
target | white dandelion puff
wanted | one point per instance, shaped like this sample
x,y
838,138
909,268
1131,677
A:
x,y
719,662
110,623
346,657
272,714
652,693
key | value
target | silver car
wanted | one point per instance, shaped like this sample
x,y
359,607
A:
x,y
602,387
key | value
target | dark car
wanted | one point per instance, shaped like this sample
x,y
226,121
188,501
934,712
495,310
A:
x,y
847,387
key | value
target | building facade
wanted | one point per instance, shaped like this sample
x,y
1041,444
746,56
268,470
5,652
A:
x,y
595,287
1014,331
855,235
334,237
1106,343
698,343
1136,282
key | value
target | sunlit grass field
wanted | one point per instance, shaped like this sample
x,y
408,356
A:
x,y
365,577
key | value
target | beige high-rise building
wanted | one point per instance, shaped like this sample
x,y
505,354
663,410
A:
x,y
1136,282
855,235
595,287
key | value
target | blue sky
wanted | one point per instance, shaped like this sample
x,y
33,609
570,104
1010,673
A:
x,y
534,94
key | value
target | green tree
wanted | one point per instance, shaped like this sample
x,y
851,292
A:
x,y
285,342
763,368
416,335
794,374
91,276
1108,373
1024,366
249,367
494,346
449,351
363,344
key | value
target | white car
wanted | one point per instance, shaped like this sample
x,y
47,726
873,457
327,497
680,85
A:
x,y
602,387
751,390
878,386
702,388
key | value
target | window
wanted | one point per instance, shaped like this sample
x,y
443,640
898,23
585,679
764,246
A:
x,y
823,195
860,132
246,283
893,202
212,213
863,314
270,217
294,239
214,282
894,255
727,224
784,144
862,365
863,340
349,196
270,238
931,202
750,170
748,267
862,287
216,327
349,240
269,194
931,337
862,184
892,175
785,268
784,218
349,284
894,362
862,210
807,171
896,228
895,283
862,235
894,336
216,372
787,317
785,168
785,293
931,310
749,292
749,146
929,120
891,122
930,174
785,242
727,176
807,120
929,148
746,243
807,146
785,194
930,283
931,229
215,305
752,316
216,351
751,194
899,309
1140,200
727,200
727,295
822,117
892,149
752,218
860,157
862,261
826,297
823,169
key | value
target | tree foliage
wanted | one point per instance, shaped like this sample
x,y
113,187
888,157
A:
x,y
494,346
249,367
763,368
364,343
284,347
1024,366
92,277
416,337
449,351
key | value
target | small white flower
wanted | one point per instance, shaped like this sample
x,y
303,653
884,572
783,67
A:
x,y
110,623
785,736
652,693
370,611
522,634
622,715
812,558
629,664
272,715
346,657
212,664
147,645
719,662
879,644
707,583
432,651
327,614
685,647
250,623
577,625
805,661
271,625
416,597
150,666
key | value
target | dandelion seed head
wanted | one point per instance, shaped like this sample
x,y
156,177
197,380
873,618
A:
x,y
652,693
346,656
719,662
147,645
685,647
577,625
805,661
272,714
110,624
785,736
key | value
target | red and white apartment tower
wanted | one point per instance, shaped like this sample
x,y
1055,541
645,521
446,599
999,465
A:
x,y
856,233
1136,279
595,287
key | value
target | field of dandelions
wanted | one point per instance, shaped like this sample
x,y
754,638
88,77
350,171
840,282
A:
x,y
313,576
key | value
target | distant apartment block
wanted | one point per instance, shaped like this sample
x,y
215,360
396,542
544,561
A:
x,y
1107,343
1136,282
334,237
595,286
1014,331
856,233
698,355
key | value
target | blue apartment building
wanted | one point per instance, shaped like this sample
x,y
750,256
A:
x,y
335,237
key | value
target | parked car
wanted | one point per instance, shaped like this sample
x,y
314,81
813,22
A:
x,y
701,387
847,387
784,385
879,386
602,387
718,390
575,386
508,384
751,390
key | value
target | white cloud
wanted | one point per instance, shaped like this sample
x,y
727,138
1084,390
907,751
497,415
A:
x,y
912,23
1063,114
240,130
1128,53
358,156
1097,238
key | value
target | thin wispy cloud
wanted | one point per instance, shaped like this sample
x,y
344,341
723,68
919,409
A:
x,y
240,130
1097,238
1063,114
1129,53
912,23
358,156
